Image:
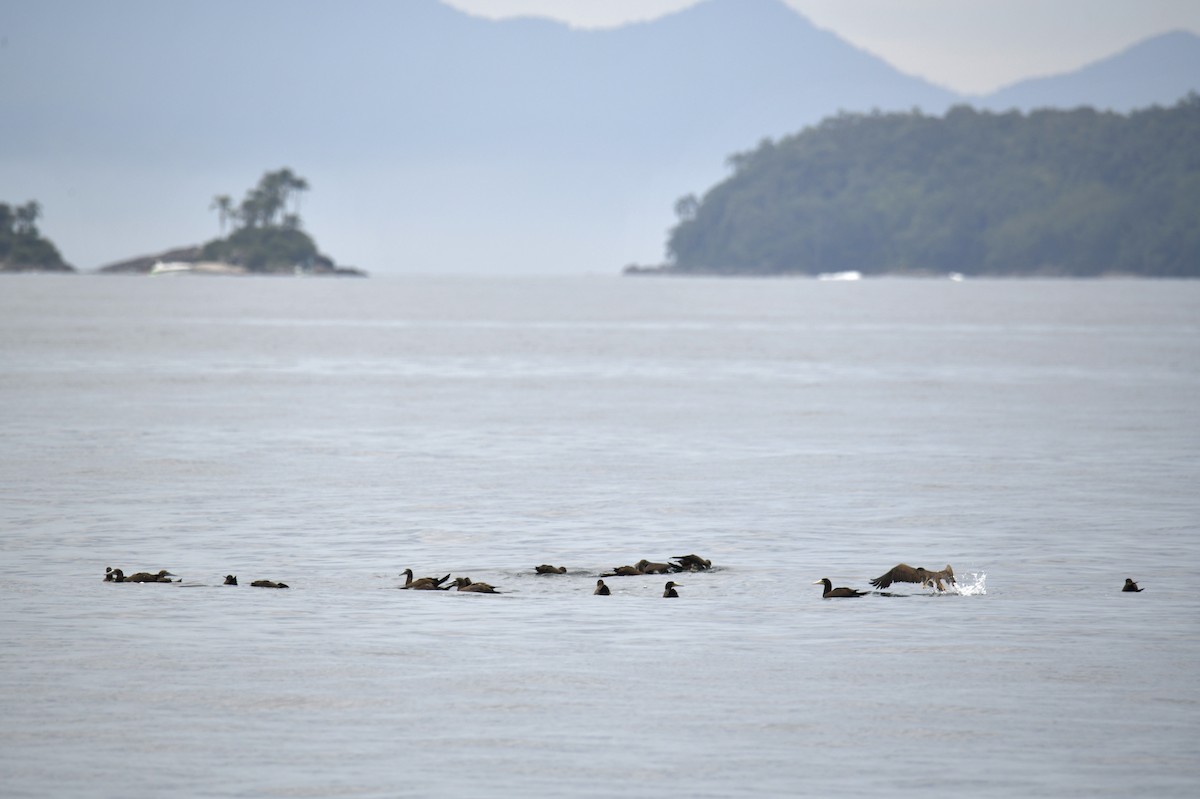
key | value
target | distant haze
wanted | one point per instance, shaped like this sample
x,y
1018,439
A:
x,y
435,141
974,47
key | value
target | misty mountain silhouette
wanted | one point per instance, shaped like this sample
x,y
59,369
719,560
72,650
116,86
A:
x,y
1157,71
433,140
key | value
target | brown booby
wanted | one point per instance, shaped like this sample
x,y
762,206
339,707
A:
x,y
467,584
691,563
601,589
424,583
267,584
835,593
646,567
903,573
669,590
1131,586
546,568
163,576
624,571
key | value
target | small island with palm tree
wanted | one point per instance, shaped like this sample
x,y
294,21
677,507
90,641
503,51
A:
x,y
22,246
265,238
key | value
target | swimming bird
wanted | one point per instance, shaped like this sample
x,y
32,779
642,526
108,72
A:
x,y
903,573
424,583
670,591
1131,586
601,589
112,575
835,593
692,563
624,571
646,567
266,584
466,584
163,576
548,569
230,580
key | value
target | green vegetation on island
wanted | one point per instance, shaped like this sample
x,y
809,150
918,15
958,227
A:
x,y
1072,193
266,237
22,247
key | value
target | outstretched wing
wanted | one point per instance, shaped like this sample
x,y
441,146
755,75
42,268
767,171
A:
x,y
900,573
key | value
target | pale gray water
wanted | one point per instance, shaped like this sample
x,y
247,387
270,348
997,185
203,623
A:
x,y
330,433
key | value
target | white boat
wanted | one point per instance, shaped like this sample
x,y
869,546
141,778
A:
x,y
170,267
196,268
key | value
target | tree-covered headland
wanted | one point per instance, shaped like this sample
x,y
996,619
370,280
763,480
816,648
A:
x,y
1073,193
22,247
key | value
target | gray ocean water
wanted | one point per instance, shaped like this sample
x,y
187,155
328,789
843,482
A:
x,y
1039,436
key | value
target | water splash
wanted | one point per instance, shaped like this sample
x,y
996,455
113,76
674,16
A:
x,y
975,585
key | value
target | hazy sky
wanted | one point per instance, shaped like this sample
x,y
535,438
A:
x,y
971,46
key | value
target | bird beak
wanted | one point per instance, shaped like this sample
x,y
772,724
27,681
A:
x,y
817,582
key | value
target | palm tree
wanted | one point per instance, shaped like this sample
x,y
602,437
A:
x,y
255,209
223,205
293,185
266,202
26,216
283,186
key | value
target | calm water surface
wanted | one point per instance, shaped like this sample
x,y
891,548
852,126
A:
x,y
1040,436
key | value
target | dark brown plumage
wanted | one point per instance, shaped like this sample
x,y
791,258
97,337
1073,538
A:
x,y
546,568
692,563
1131,586
163,576
903,573
470,586
624,571
669,590
601,589
424,583
835,593
230,580
646,567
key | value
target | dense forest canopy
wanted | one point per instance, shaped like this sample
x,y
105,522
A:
x,y
1080,193
22,247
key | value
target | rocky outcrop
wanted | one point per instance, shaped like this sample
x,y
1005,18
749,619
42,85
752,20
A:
x,y
144,264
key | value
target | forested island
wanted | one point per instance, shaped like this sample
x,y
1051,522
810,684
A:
x,y
1077,193
266,237
22,247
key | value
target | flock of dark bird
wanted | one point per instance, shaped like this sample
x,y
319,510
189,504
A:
x,y
681,563
112,575
900,573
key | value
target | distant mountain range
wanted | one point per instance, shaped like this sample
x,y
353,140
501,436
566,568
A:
x,y
435,141
1158,71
